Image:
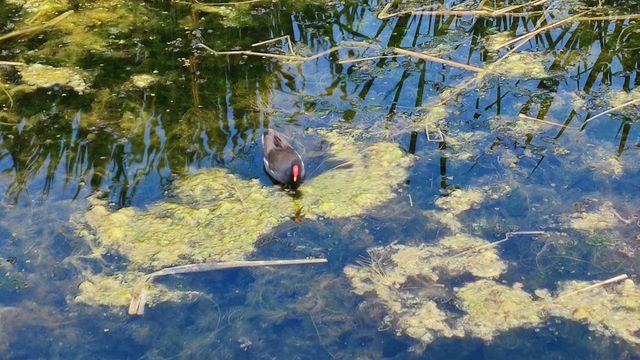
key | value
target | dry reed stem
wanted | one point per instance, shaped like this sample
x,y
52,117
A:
x,y
495,243
349,61
136,307
436,59
516,7
523,116
233,3
12,63
609,17
269,55
287,37
631,102
479,12
38,28
596,285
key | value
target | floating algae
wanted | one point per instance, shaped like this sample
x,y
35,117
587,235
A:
x,y
457,202
44,76
492,308
492,42
525,65
516,128
402,278
601,219
619,98
116,290
217,216
611,310
143,81
460,200
366,178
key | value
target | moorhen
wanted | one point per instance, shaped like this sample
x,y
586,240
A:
x,y
282,163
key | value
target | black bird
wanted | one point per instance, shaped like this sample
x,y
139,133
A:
x,y
282,163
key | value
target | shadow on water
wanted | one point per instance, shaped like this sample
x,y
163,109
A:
x,y
129,140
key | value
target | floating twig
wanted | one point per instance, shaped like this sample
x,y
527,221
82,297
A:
x,y
349,61
523,116
12,63
436,59
493,244
479,12
38,28
617,214
269,55
136,307
631,102
596,285
439,138
287,37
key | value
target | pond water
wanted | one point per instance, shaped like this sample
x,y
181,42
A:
x,y
130,142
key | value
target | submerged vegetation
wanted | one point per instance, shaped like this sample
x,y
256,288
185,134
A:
x,y
129,142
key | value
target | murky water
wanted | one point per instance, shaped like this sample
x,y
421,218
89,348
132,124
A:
x,y
132,147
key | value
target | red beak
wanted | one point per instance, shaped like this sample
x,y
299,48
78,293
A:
x,y
295,169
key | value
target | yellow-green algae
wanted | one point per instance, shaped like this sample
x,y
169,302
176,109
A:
x,y
217,216
402,278
526,65
610,310
87,29
492,42
460,200
368,178
601,219
492,308
516,128
44,76
116,290
143,81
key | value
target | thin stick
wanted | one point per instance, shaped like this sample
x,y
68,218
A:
x,y
12,63
269,55
136,306
631,102
38,28
192,268
529,35
523,116
609,17
516,7
493,244
270,40
349,61
596,285
436,59
615,212
226,3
